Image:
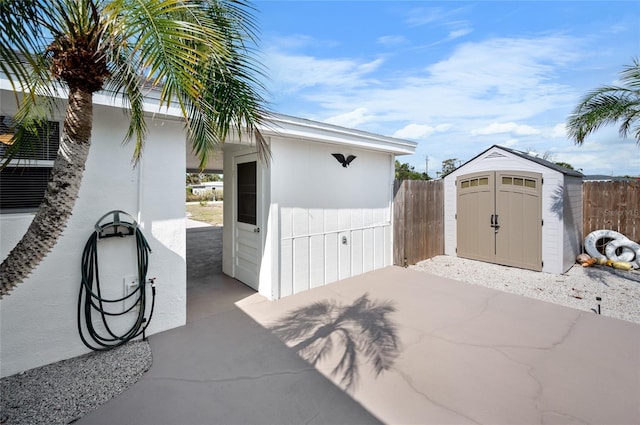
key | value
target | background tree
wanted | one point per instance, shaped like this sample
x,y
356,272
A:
x,y
449,165
565,165
196,54
608,105
197,178
407,172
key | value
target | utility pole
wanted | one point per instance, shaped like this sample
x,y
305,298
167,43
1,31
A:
x,y
426,169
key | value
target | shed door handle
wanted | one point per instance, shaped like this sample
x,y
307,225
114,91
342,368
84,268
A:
x,y
256,230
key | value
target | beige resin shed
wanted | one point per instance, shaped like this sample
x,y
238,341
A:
x,y
512,208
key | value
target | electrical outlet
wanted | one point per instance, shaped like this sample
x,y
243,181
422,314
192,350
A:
x,y
130,286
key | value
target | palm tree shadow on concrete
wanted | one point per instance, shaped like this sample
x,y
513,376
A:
x,y
360,332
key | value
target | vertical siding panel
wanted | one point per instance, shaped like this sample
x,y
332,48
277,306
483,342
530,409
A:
x,y
316,221
368,244
331,257
300,222
367,218
316,261
330,220
300,264
344,258
356,252
286,222
378,252
300,249
388,252
344,220
286,268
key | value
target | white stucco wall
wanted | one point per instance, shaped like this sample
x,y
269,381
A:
x,y
38,323
553,243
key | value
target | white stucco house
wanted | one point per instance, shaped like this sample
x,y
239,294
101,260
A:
x,y
301,221
207,187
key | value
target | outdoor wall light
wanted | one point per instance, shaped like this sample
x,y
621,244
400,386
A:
x,y
345,162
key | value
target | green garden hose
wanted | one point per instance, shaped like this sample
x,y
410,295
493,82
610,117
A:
x,y
91,304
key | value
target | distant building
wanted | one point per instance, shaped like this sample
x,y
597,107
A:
x,y
203,188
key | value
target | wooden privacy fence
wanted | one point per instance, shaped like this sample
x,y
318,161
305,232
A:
x,y
612,206
418,214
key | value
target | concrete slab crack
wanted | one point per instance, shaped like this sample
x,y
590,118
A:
x,y
231,379
409,382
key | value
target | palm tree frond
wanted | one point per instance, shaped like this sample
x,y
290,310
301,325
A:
x,y
608,105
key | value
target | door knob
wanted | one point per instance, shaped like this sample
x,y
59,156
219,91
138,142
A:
x,y
256,230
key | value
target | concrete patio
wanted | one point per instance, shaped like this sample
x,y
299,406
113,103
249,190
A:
x,y
393,346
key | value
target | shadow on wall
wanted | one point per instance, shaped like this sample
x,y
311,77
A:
x,y
360,333
557,202
562,207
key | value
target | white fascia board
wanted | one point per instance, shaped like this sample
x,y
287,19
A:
x,y
151,103
286,126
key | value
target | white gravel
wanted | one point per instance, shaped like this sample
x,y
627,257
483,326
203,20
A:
x,y
63,392
578,288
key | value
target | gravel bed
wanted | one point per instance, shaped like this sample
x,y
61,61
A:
x,y
63,392
577,288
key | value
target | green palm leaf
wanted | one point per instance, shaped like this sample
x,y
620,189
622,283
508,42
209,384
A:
x,y
194,54
609,105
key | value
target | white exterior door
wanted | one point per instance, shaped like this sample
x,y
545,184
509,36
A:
x,y
247,236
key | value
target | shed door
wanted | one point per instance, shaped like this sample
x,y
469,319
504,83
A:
x,y
247,237
499,218
476,204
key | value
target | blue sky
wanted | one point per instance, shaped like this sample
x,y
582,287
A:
x,y
457,77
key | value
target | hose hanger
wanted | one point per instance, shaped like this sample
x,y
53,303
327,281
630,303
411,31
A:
x,y
94,308
116,227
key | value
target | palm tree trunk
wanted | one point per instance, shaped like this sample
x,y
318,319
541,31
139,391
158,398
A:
x,y
60,196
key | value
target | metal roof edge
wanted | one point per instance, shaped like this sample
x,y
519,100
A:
x,y
289,126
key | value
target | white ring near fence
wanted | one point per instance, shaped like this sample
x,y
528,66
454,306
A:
x,y
592,239
612,246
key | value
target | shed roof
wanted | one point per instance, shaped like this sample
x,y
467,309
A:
x,y
528,157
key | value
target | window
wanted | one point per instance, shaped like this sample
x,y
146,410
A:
x,y
482,181
247,192
24,181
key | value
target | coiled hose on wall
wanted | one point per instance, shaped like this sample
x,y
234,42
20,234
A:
x,y
92,306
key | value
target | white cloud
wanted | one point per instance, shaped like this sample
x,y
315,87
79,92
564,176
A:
x,y
435,15
474,82
508,86
352,118
392,40
508,127
459,33
414,131
297,72
559,131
